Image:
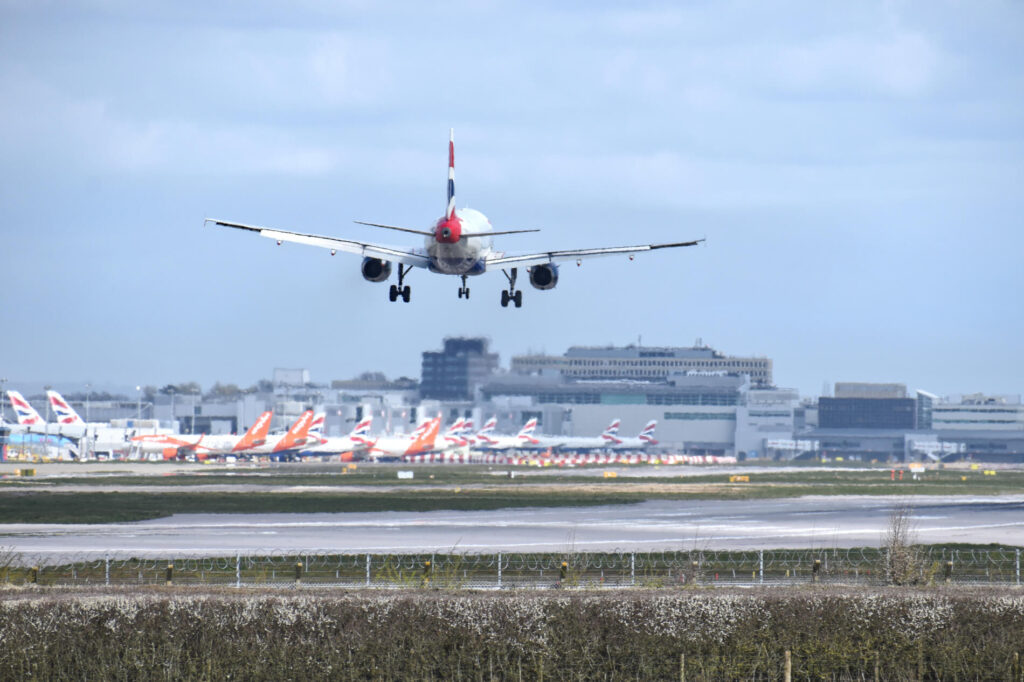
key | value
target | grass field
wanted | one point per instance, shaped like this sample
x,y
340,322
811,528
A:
x,y
72,499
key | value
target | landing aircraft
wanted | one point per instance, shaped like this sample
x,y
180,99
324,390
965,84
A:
x,y
459,244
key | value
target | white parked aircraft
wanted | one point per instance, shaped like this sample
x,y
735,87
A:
x,y
575,443
640,442
459,244
524,440
420,441
355,442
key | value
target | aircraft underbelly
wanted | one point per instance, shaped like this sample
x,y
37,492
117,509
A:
x,y
454,259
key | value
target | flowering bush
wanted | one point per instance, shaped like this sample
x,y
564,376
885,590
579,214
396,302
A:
x,y
431,634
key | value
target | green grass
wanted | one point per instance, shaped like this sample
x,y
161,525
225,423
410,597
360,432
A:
x,y
445,491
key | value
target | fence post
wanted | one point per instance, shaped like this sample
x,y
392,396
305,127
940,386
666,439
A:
x,y
561,572
106,570
238,570
170,574
949,572
1018,568
499,570
787,674
298,573
426,572
760,566
816,571
367,570
632,568
682,667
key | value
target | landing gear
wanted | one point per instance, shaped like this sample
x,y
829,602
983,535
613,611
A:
x,y
404,291
511,294
464,290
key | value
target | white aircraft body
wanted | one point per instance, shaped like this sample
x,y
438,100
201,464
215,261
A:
x,y
523,440
583,442
355,442
640,442
459,243
421,441
202,446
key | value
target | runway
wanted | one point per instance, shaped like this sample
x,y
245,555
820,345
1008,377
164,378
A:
x,y
807,522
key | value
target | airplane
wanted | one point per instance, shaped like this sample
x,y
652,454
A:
x,y
585,442
25,413
286,444
522,440
644,440
355,442
454,438
203,446
421,441
459,244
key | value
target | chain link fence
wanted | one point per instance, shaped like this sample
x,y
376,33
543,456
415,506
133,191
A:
x,y
860,566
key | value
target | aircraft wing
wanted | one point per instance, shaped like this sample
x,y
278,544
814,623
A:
x,y
577,254
333,243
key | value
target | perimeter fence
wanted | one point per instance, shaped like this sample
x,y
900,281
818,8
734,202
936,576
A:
x,y
858,566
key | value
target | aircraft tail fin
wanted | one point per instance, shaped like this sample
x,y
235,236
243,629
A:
x,y
647,435
450,209
611,434
65,413
25,413
528,428
297,434
256,434
316,427
426,438
362,429
489,427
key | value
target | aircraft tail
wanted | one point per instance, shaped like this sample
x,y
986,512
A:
x,y
611,434
66,415
528,428
450,209
316,427
25,413
296,435
426,437
362,429
489,427
647,435
256,435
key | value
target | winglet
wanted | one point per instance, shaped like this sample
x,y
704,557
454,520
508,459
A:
x,y
450,210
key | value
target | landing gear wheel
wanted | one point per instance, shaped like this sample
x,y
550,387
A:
x,y
406,293
400,290
464,290
511,295
393,293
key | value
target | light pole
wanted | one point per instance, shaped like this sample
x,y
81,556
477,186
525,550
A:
x,y
138,403
192,430
3,397
174,423
88,390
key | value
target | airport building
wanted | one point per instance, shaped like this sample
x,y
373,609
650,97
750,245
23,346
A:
x,y
455,372
641,363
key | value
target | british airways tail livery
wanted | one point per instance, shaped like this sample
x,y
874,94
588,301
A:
x,y
459,243
23,411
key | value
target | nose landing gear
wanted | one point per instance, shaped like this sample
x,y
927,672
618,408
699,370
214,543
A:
x,y
511,294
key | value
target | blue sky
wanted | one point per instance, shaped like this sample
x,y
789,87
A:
x,y
856,169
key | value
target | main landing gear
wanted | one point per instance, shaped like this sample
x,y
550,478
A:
x,y
464,290
404,291
511,294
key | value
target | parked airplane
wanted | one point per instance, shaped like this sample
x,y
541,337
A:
x,y
287,444
522,440
644,440
459,244
355,442
422,440
576,443
24,412
202,446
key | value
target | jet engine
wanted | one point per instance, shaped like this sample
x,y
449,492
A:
x,y
544,276
375,269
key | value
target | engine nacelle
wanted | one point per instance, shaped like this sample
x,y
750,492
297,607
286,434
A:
x,y
375,269
544,276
